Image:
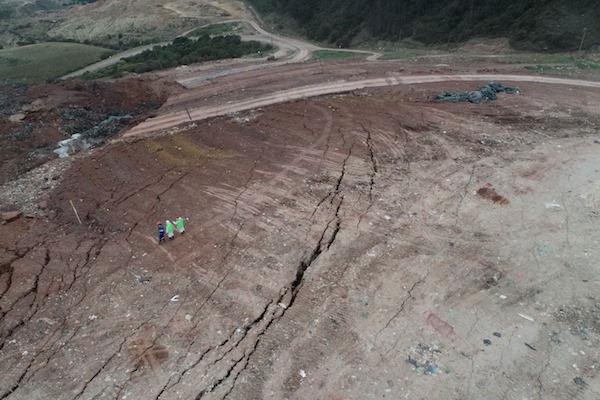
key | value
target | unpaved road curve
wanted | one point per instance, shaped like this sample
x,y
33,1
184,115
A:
x,y
197,114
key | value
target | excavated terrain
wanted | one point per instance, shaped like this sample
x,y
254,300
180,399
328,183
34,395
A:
x,y
367,244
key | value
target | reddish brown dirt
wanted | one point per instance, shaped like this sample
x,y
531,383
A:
x,y
335,248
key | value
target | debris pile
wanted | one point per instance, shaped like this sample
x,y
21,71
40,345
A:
x,y
481,95
425,359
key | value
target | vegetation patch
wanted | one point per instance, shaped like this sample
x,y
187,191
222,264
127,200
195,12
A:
x,y
45,61
540,25
182,51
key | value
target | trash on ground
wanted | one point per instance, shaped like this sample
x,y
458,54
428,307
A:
x,y
487,342
481,95
497,334
143,279
425,359
552,205
175,298
530,346
527,317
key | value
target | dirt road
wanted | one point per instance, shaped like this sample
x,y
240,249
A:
x,y
198,114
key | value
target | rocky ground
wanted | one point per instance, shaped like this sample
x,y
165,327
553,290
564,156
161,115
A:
x,y
370,244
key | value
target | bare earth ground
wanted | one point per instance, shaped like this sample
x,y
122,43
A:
x,y
369,244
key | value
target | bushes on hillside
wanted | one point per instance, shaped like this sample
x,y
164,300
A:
x,y
181,52
531,24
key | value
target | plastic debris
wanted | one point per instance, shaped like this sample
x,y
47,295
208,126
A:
x,y
303,373
487,342
579,380
527,317
497,334
175,298
425,360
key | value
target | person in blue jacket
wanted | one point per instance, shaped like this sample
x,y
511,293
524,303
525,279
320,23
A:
x,y
161,232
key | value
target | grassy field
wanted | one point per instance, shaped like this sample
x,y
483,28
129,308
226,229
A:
x,y
43,61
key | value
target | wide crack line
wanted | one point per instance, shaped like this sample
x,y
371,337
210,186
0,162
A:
x,y
272,312
82,391
284,302
218,285
246,184
33,289
120,349
265,319
464,194
150,181
52,348
375,170
401,309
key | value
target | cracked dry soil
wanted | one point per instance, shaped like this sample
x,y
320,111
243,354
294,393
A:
x,y
327,240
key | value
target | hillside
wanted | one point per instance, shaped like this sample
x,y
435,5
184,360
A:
x,y
108,23
542,25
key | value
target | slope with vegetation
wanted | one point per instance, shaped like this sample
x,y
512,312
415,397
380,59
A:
x,y
549,25
181,52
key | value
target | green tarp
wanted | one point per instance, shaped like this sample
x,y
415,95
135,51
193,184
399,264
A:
x,y
481,95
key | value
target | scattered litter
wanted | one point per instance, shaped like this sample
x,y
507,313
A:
x,y
497,334
66,332
282,305
363,300
502,296
530,346
552,205
481,95
579,380
488,184
425,359
303,373
554,338
143,279
93,317
48,321
487,342
188,317
175,298
527,317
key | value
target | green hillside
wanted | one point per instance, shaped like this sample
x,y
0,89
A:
x,y
543,25
40,62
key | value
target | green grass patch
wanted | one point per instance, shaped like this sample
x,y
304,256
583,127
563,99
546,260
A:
x,y
44,61
328,55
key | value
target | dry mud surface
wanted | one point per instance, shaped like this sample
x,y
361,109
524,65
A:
x,y
369,244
